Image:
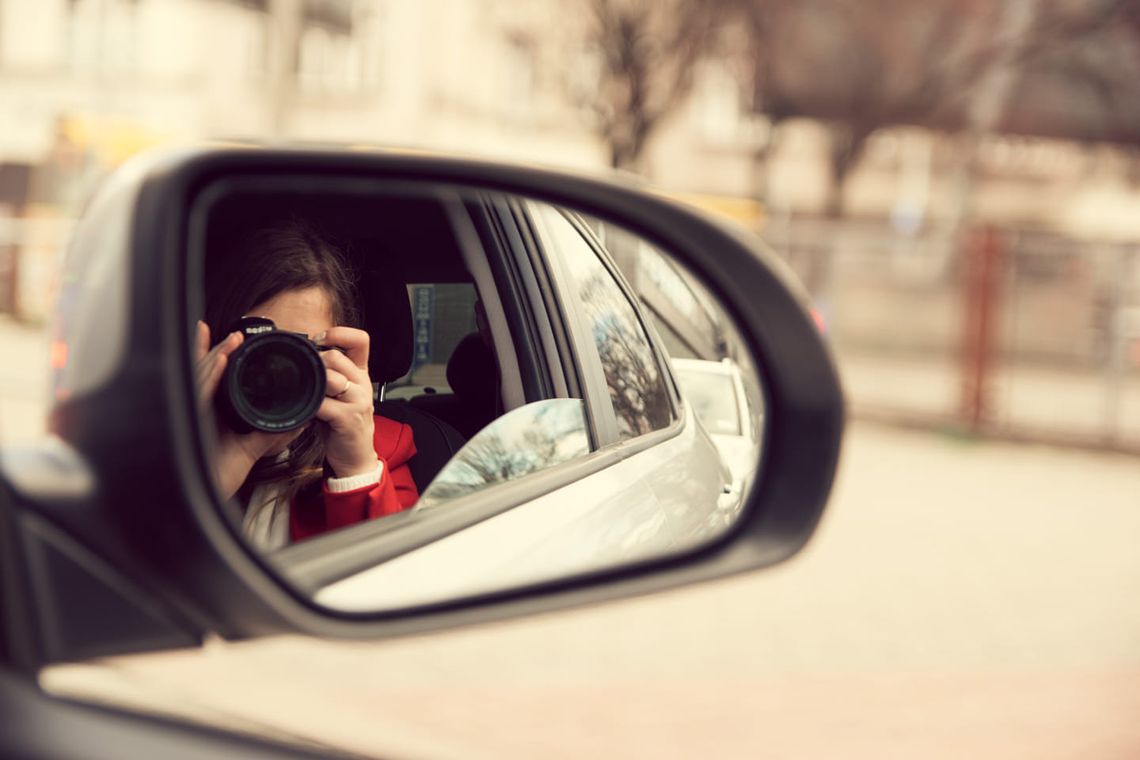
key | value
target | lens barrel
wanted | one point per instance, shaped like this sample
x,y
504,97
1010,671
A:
x,y
274,382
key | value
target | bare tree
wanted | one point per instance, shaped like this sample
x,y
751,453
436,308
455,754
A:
x,y
955,65
860,65
643,54
1077,73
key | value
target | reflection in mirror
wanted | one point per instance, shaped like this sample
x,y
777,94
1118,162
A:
x,y
413,394
521,442
720,396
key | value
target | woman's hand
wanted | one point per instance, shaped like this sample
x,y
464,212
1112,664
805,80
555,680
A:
x,y
347,409
211,364
235,454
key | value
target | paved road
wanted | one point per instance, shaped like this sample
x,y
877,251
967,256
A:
x,y
961,599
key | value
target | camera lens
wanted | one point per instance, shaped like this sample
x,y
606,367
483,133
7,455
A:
x,y
274,383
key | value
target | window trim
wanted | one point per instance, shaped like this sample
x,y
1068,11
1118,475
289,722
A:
x,y
549,331
476,258
595,391
525,329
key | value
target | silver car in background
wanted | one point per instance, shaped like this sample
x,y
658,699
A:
x,y
717,392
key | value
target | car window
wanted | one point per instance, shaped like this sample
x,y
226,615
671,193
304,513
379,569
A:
x,y
526,440
636,383
443,314
713,396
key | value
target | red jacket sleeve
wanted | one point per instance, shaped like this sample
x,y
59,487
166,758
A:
x,y
350,507
316,511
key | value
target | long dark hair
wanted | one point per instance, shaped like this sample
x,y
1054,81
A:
x,y
255,268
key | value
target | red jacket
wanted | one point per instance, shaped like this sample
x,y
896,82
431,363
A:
x,y
315,511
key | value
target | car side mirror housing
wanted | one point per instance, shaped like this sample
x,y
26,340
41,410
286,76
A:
x,y
122,496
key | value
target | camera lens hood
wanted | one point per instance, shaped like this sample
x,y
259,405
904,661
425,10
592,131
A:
x,y
274,382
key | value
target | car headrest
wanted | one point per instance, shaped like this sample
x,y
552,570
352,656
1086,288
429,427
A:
x,y
472,373
386,315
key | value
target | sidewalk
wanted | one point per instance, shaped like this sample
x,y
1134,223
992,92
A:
x,y
24,381
1056,403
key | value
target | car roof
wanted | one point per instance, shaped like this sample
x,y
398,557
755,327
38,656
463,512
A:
x,y
410,234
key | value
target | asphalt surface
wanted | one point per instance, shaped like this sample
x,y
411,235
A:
x,y
961,599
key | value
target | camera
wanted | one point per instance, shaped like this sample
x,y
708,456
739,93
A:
x,y
274,381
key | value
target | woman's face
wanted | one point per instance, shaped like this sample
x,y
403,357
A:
x,y
306,311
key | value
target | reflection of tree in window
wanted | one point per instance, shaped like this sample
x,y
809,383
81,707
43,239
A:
x,y
490,460
526,440
636,387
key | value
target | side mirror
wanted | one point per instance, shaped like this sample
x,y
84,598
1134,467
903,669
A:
x,y
522,324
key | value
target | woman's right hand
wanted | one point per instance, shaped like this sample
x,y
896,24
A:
x,y
236,453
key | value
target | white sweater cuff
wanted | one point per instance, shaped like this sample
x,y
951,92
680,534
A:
x,y
353,482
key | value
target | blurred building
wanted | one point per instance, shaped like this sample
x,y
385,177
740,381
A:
x,y
117,75
86,83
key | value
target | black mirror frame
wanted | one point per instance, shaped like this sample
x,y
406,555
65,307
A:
x,y
152,518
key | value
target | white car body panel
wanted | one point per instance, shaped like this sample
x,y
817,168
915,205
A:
x,y
666,498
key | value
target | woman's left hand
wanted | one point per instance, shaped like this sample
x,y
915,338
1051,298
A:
x,y
347,408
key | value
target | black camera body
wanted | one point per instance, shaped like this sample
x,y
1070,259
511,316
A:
x,y
274,381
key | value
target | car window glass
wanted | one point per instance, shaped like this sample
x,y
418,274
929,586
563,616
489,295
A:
x,y
635,381
443,314
524,441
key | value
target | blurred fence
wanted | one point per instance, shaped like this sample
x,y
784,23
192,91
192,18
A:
x,y
1017,332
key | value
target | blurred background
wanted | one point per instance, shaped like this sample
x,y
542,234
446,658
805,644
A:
x,y
955,182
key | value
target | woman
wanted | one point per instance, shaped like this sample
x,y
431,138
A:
x,y
346,465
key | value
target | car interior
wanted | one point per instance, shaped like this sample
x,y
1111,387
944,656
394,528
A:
x,y
434,358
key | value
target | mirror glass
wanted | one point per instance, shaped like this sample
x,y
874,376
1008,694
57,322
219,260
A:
x,y
414,394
